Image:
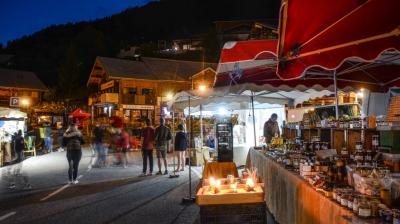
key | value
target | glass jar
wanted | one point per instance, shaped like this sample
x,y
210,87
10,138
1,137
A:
x,y
338,198
350,200
364,209
355,205
396,216
343,201
375,141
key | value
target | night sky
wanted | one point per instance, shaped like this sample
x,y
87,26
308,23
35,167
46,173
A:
x,y
24,17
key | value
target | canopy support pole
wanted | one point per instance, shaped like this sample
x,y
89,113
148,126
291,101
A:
x,y
336,95
174,175
189,199
254,119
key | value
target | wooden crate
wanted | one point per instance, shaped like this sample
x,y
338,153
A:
x,y
203,196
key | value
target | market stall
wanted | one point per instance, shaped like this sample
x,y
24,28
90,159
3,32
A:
x,y
10,122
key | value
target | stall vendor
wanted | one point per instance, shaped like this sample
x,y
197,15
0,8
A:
x,y
271,128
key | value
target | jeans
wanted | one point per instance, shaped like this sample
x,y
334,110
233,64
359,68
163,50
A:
x,y
101,153
20,155
60,139
147,154
48,144
73,157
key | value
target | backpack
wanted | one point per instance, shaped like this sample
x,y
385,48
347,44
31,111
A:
x,y
74,144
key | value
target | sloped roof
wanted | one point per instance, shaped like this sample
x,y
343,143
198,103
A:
x,y
152,68
4,58
20,79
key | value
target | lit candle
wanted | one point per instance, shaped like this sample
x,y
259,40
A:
x,y
234,187
250,184
217,186
211,181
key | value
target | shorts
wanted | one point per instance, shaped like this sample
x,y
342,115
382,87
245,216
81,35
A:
x,y
162,151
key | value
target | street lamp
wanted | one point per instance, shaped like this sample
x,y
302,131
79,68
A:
x,y
25,102
202,88
169,96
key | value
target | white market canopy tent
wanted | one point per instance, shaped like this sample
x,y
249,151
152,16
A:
x,y
7,113
238,97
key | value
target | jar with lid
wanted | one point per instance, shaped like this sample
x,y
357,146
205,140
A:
x,y
375,207
350,200
355,205
325,146
317,146
396,216
311,147
344,201
334,194
339,197
359,157
364,209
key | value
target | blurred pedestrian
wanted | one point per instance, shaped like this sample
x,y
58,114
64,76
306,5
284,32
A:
x,y
48,137
60,133
19,145
180,147
162,138
147,136
98,135
73,140
124,147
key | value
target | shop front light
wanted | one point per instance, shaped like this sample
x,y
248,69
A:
x,y
222,111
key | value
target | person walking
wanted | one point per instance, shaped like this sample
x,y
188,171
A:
x,y
180,147
124,147
98,135
162,138
72,141
48,138
147,137
60,133
19,145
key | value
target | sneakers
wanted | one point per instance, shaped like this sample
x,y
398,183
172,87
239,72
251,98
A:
x,y
142,175
159,173
28,187
150,174
11,186
166,172
70,182
75,182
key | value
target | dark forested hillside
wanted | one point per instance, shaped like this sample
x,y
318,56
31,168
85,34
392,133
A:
x,y
63,55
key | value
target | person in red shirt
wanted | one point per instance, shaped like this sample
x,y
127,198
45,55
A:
x,y
147,135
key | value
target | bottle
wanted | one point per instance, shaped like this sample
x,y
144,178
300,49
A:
x,y
368,158
359,157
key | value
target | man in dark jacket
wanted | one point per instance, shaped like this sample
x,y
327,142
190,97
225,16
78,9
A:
x,y
162,137
19,145
271,128
73,140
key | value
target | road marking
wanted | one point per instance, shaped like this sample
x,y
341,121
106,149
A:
x,y
55,192
7,215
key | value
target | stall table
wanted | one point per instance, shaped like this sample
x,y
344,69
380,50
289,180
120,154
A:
x,y
291,199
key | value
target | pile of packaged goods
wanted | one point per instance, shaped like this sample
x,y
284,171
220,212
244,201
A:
x,y
358,180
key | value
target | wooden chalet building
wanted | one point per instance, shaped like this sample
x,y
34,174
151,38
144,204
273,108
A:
x,y
135,89
23,86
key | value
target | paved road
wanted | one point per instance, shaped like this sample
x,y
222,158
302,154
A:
x,y
106,195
